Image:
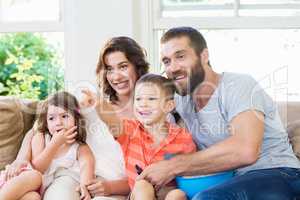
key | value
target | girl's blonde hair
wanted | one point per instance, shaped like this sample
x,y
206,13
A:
x,y
67,102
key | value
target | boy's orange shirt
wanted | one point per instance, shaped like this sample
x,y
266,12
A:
x,y
137,146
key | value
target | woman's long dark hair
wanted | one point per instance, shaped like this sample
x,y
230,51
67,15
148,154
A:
x,y
133,52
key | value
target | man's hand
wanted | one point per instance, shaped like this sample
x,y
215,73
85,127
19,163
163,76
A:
x,y
98,188
14,169
158,174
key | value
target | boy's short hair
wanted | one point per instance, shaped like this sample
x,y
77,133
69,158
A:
x,y
162,82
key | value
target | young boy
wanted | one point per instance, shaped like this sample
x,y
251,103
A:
x,y
151,138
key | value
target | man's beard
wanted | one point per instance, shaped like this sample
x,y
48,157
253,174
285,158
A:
x,y
195,78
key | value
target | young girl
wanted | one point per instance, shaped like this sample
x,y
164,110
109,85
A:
x,y
58,121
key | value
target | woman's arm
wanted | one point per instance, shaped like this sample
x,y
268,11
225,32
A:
x,y
108,115
87,164
104,110
87,170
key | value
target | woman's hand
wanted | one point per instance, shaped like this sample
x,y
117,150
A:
x,y
98,188
84,193
89,99
14,169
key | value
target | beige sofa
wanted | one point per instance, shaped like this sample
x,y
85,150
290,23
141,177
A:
x,y
17,117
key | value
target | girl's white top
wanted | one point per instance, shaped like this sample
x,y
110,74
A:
x,y
67,161
107,151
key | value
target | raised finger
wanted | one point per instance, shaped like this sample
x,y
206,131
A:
x,y
87,92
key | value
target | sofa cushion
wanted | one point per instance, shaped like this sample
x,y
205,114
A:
x,y
28,108
11,129
294,134
290,116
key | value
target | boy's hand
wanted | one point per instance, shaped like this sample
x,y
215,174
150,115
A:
x,y
84,193
65,136
98,188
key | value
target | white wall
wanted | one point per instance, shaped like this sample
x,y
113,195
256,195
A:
x,y
88,24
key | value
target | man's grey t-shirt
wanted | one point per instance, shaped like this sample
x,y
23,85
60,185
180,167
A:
x,y
234,94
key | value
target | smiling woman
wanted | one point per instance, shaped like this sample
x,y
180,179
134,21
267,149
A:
x,y
121,63
119,71
120,56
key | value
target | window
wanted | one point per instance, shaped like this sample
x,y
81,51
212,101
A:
x,y
233,8
257,37
29,10
31,47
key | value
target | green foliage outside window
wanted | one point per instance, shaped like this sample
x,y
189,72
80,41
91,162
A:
x,y
29,66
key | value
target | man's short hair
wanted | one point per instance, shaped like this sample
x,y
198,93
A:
x,y
162,82
197,41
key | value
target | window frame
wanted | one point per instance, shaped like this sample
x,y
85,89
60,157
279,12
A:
x,y
154,22
35,26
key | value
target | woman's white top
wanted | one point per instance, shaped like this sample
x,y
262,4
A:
x,y
107,151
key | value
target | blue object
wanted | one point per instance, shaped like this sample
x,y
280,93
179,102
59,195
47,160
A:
x,y
192,185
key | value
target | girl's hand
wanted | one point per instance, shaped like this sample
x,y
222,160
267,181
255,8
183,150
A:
x,y
65,136
98,188
14,169
84,193
89,99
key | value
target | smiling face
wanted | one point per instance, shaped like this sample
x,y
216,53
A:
x,y
58,119
182,64
151,104
120,73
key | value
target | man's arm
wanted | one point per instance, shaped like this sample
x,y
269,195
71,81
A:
x,y
87,164
240,149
